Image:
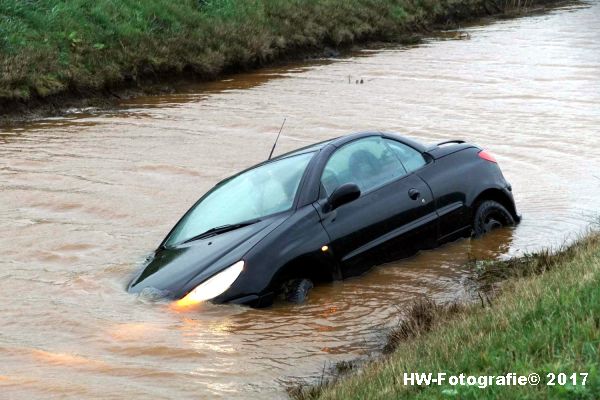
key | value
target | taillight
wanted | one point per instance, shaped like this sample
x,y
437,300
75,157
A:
x,y
486,155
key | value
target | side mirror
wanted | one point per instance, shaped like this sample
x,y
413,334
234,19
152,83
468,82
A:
x,y
344,194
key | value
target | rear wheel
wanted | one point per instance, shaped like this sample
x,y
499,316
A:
x,y
490,215
296,291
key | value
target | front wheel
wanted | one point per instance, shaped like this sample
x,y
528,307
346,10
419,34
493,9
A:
x,y
490,215
296,291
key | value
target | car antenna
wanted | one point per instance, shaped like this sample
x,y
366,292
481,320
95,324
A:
x,y
277,138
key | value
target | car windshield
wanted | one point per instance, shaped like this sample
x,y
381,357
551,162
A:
x,y
257,193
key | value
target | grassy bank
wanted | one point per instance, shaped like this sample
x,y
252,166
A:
x,y
546,319
54,48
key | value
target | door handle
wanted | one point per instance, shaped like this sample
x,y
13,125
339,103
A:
x,y
414,194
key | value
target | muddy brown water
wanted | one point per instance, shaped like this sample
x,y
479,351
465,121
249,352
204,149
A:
x,y
85,197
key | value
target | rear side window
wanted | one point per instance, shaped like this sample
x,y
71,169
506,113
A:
x,y
410,157
368,162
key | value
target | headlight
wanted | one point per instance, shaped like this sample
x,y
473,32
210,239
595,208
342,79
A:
x,y
214,286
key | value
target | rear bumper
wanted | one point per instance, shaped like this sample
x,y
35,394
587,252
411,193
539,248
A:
x,y
518,217
508,191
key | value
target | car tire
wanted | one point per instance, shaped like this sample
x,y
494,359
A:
x,y
489,216
297,290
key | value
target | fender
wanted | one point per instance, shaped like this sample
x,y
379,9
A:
x,y
293,249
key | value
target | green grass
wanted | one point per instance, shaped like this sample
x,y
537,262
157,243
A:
x,y
546,319
53,47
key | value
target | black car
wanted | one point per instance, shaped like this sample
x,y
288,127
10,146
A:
x,y
326,212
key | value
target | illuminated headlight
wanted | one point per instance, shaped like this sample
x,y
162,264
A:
x,y
214,286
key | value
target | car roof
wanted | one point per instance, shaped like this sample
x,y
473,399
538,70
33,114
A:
x,y
336,142
342,140
306,149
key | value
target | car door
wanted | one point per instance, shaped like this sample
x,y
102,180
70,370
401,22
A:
x,y
394,212
449,178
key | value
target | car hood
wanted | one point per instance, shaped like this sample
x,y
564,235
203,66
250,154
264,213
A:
x,y
173,272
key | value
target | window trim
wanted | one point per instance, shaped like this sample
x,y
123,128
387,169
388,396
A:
x,y
427,160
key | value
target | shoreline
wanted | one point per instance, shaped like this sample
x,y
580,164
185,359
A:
x,y
155,81
526,289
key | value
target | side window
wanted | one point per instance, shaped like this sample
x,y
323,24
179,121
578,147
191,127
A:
x,y
410,157
366,162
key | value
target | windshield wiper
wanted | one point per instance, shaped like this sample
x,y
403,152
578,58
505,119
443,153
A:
x,y
221,229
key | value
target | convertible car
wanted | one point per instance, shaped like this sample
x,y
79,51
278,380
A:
x,y
325,212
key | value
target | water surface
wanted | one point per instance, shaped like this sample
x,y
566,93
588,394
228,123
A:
x,y
85,197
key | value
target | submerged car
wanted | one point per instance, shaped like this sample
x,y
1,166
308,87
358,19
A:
x,y
326,212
